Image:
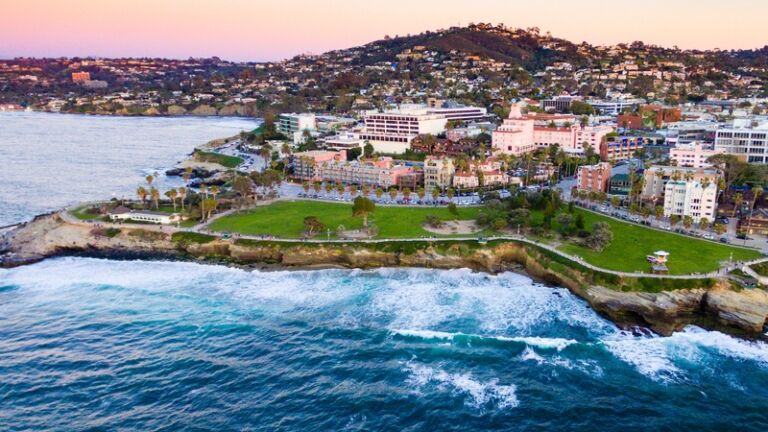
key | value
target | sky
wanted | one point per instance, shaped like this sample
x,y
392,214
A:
x,y
265,30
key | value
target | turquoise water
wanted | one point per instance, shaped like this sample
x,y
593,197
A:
x,y
88,344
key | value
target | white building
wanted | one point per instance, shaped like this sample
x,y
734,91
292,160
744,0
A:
x,y
744,141
693,155
393,131
125,214
344,141
690,198
293,125
515,135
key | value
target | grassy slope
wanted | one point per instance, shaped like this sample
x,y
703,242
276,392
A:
x,y
225,160
632,243
285,219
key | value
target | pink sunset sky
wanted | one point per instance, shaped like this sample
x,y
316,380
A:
x,y
261,30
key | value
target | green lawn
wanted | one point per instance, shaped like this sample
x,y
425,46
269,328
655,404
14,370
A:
x,y
285,219
225,160
632,243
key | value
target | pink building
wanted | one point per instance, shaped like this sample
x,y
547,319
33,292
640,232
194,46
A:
x,y
693,155
515,135
594,178
564,137
305,164
590,135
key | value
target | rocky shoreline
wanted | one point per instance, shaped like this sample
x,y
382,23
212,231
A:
x,y
663,307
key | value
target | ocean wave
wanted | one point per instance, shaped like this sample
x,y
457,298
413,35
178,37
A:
x,y
479,394
541,342
588,367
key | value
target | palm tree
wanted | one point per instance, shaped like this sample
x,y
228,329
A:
x,y
317,187
756,192
340,188
182,195
142,193
366,190
435,193
407,194
204,190
658,212
738,199
172,194
215,191
379,192
353,190
305,186
450,193
155,195
328,188
150,179
421,193
392,193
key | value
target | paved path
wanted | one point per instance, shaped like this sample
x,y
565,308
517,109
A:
x,y
203,228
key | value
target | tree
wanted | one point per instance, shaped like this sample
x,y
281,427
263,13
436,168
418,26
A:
x,y
738,199
407,194
312,225
674,219
646,212
392,194
243,186
317,187
435,193
450,193
658,212
580,221
453,210
601,236
703,224
172,194
142,193
379,193
615,201
155,195
363,206
215,191
720,229
182,196
564,220
756,192
687,222
368,150
305,185
328,188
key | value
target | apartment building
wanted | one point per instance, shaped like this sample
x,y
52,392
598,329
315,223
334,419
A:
x,y
656,178
381,172
690,198
594,178
744,141
344,141
694,155
620,148
438,173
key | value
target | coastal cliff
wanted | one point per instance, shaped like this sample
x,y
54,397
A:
x,y
664,305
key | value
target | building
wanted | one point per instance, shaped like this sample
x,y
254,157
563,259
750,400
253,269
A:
x,y
559,104
78,77
344,141
693,155
594,178
515,135
305,164
381,172
690,198
620,185
125,214
615,149
744,141
293,125
564,137
615,106
657,177
591,136
393,131
481,173
649,117
438,173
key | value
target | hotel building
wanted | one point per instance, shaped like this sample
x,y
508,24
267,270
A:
x,y
750,144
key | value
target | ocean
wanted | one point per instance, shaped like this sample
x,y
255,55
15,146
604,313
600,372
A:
x,y
101,345
49,161
91,344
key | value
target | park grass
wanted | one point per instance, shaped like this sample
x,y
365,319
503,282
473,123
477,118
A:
x,y
632,243
217,158
285,219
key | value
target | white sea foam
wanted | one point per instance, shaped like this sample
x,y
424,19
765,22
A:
x,y
588,367
478,393
545,343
